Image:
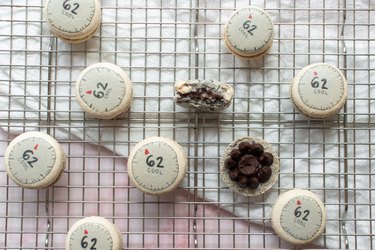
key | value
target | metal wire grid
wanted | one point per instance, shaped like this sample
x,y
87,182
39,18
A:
x,y
157,52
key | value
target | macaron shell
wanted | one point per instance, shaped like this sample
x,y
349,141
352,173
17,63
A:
x,y
263,187
279,205
245,56
124,104
79,40
55,173
181,161
70,25
249,32
327,102
112,228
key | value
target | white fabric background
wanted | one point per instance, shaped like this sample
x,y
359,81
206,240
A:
x,y
310,153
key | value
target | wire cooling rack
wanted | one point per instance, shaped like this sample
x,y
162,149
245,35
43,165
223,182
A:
x,y
158,42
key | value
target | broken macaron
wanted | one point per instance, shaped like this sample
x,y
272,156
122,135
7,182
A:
x,y
204,95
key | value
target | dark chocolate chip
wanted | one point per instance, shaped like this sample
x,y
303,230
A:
x,y
230,163
248,170
253,182
244,147
257,149
249,160
264,174
265,159
234,174
235,154
248,165
242,181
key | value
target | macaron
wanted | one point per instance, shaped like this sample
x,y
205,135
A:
x,y
104,90
34,160
94,233
249,166
319,91
249,32
204,95
298,216
157,165
73,21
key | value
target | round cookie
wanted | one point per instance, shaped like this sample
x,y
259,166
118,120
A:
x,y
157,165
298,216
249,166
249,33
319,91
104,91
93,233
73,21
34,160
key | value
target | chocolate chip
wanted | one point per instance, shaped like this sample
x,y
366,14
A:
x,y
248,165
234,174
257,149
242,181
253,182
264,174
249,160
266,159
230,163
235,154
244,147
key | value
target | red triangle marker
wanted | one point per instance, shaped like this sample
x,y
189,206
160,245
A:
x,y
146,152
36,146
89,92
315,73
299,202
86,232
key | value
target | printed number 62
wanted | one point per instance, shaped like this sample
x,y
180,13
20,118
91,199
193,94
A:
x,y
68,6
249,27
315,83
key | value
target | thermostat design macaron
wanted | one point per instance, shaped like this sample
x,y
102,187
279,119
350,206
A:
x,y
298,216
34,160
73,21
104,90
319,91
157,165
94,233
249,32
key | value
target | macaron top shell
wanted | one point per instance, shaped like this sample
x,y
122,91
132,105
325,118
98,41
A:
x,y
249,32
319,91
34,160
73,21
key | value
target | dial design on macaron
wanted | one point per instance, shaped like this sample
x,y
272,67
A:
x,y
102,89
249,30
70,16
34,160
321,87
31,160
94,232
91,235
157,165
298,216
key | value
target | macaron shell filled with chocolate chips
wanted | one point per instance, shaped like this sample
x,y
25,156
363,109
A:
x,y
248,158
